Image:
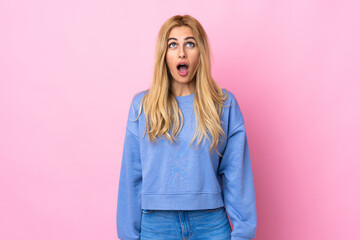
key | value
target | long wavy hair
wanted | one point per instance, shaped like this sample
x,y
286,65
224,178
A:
x,y
162,113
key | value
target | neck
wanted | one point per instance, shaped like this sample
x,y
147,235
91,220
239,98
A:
x,y
183,89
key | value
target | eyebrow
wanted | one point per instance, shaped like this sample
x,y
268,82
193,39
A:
x,y
184,39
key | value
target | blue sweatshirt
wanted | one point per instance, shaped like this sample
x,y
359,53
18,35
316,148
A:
x,y
166,176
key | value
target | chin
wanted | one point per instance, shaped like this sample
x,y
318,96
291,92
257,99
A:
x,y
183,80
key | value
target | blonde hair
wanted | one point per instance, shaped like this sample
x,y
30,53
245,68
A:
x,y
160,105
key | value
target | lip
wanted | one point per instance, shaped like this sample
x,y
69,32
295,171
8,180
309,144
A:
x,y
182,62
180,73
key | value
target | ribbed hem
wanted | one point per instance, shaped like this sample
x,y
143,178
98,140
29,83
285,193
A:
x,y
240,238
181,201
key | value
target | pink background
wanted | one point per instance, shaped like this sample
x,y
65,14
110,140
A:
x,y
68,71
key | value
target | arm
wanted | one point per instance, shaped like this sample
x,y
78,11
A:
x,y
128,214
238,184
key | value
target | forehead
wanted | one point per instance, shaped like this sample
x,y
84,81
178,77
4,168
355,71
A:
x,y
181,32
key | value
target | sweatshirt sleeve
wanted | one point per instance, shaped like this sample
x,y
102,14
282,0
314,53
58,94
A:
x,y
237,178
128,214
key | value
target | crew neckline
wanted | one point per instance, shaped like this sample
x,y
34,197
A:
x,y
186,98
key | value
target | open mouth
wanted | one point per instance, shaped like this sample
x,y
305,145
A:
x,y
182,68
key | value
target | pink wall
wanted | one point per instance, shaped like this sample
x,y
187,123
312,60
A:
x,y
68,70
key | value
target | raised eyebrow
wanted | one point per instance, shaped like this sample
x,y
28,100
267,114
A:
x,y
184,39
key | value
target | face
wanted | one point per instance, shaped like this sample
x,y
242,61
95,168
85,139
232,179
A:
x,y
182,48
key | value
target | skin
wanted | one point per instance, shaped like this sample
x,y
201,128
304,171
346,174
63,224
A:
x,y
182,48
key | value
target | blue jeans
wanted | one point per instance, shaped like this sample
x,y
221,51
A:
x,y
208,224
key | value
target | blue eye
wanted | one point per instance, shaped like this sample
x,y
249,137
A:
x,y
191,44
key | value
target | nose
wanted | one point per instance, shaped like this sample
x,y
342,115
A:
x,y
182,53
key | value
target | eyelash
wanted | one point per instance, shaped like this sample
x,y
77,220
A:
x,y
186,43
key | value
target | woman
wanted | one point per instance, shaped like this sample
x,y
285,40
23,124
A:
x,y
168,188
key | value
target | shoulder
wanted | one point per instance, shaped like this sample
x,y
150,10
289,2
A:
x,y
230,96
235,113
137,98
